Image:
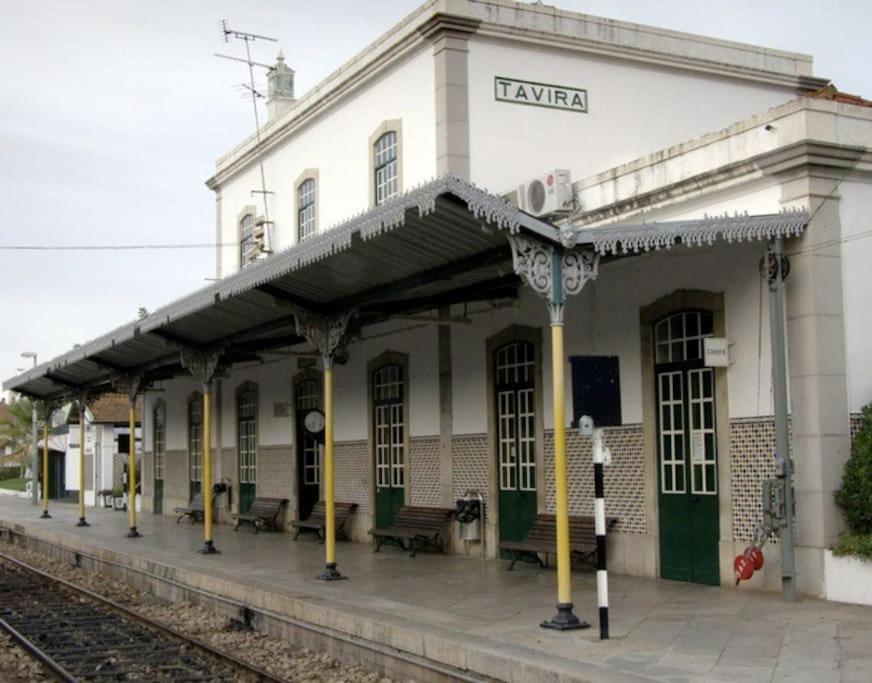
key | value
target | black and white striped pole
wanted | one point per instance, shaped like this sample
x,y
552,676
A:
x,y
599,511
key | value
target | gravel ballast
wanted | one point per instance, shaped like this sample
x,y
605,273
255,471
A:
x,y
278,657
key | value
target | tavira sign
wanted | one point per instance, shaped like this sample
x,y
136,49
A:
x,y
540,94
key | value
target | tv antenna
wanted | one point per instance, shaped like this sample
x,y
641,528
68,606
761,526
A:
x,y
248,38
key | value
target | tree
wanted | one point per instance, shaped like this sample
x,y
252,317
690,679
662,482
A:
x,y
16,431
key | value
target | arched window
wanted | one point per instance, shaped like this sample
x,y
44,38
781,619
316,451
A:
x,y
306,226
246,413
516,417
390,460
246,238
195,444
159,437
386,166
678,338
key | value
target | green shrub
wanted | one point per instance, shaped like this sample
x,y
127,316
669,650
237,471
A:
x,y
854,545
855,494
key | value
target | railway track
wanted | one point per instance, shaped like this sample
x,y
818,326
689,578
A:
x,y
81,636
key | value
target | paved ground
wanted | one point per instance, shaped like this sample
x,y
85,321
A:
x,y
661,630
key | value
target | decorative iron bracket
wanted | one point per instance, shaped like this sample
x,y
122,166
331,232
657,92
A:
x,y
203,365
325,333
552,272
130,383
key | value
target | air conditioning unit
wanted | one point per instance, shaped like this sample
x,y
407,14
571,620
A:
x,y
548,194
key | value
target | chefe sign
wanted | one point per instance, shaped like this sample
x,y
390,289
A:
x,y
540,94
716,352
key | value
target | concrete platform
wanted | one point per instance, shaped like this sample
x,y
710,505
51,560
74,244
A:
x,y
470,615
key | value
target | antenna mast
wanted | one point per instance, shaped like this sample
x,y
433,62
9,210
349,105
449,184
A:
x,y
247,38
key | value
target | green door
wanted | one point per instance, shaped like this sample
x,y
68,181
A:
x,y
308,398
390,443
195,445
516,439
247,433
159,440
56,475
687,449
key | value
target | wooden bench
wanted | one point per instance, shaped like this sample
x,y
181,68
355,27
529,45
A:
x,y
420,526
541,539
196,511
317,519
264,512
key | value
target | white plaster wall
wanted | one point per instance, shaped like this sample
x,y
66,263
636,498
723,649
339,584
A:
x,y
855,208
420,342
273,378
604,320
337,143
633,110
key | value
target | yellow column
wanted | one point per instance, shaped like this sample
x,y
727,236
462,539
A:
x,y
131,474
330,573
208,546
564,619
564,582
45,514
82,521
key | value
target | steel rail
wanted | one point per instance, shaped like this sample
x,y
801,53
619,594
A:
x,y
53,667
163,629
321,631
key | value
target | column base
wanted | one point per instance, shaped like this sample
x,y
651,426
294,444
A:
x,y
133,533
82,522
45,515
331,574
208,549
564,620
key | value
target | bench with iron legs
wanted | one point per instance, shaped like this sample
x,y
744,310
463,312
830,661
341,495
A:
x,y
317,520
195,511
541,539
419,526
264,512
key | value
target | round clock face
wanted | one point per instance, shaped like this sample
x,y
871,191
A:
x,y
314,421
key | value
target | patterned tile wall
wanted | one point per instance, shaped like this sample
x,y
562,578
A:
x,y
424,471
469,464
751,460
352,473
274,471
176,482
624,478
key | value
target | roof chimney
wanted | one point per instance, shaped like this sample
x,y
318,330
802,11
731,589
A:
x,y
281,89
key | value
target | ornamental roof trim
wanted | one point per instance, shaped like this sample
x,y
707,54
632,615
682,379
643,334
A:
x,y
639,237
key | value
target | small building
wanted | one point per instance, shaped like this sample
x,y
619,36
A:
x,y
636,177
107,446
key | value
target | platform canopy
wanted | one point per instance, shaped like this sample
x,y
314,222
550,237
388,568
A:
x,y
444,242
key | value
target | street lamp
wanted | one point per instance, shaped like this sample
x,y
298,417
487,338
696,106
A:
x,y
34,459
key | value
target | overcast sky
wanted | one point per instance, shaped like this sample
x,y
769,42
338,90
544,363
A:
x,y
112,113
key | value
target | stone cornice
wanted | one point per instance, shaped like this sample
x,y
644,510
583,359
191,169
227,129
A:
x,y
820,158
529,24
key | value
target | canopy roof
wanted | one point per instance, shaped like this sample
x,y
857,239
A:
x,y
441,243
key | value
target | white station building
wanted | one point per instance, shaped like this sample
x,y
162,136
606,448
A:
x,y
650,167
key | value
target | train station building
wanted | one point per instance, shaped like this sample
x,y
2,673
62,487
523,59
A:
x,y
634,178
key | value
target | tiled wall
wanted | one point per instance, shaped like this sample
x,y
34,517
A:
x,y
469,465
624,477
274,471
751,458
424,471
351,483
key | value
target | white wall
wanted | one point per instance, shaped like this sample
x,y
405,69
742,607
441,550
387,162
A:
x,y
855,207
337,143
634,110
